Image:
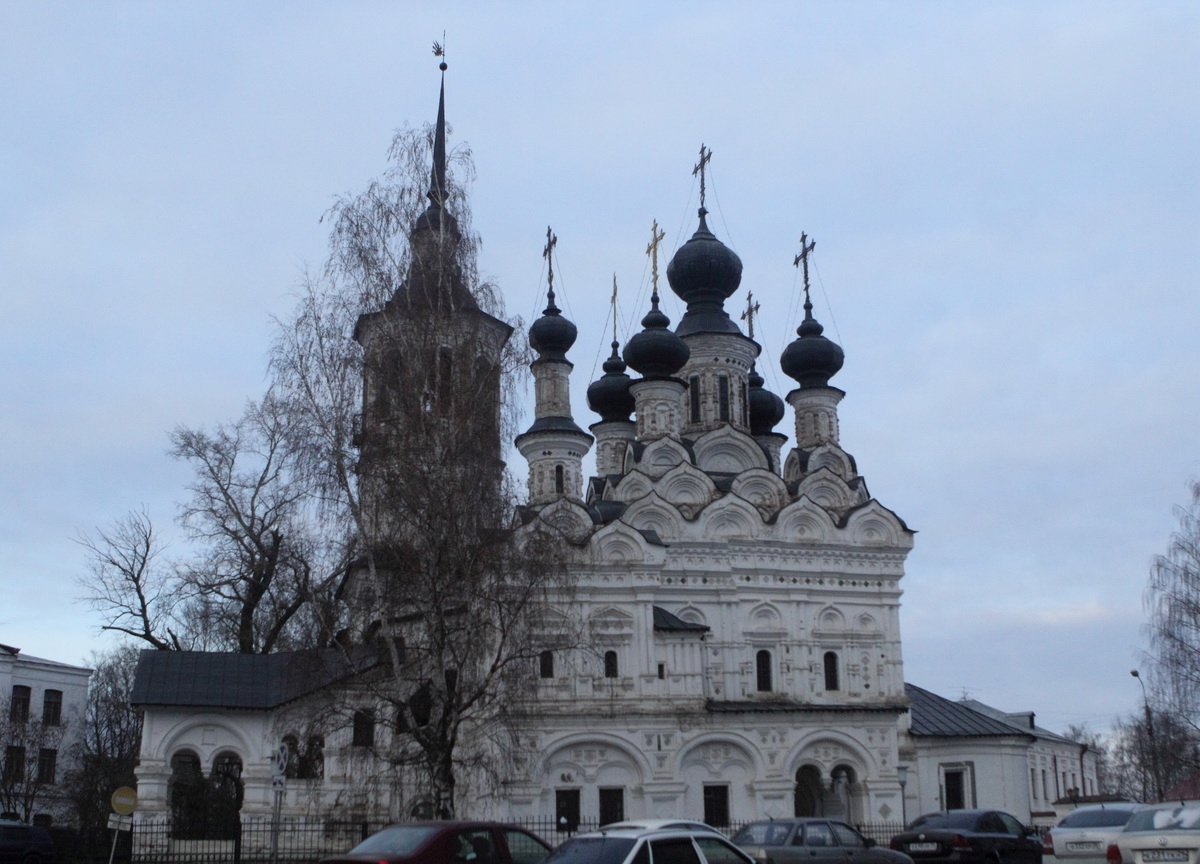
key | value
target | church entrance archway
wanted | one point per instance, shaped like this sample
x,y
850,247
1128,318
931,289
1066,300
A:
x,y
836,796
205,808
809,794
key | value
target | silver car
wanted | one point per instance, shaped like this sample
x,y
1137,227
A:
x,y
638,846
1083,835
1159,834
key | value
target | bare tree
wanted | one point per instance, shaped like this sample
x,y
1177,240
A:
x,y
106,748
1173,605
1141,763
402,429
261,572
1094,741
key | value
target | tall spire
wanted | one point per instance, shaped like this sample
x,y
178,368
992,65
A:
x,y
437,180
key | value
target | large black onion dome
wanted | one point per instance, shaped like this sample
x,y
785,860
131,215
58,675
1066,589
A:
x,y
766,408
609,394
703,272
656,352
812,359
552,335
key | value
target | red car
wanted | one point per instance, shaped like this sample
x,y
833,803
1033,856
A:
x,y
447,843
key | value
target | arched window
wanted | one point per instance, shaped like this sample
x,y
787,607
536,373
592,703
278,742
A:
x,y
186,795
364,728
292,743
831,670
762,663
610,664
546,664
312,766
558,479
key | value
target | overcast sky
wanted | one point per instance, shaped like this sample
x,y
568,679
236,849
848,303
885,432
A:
x,y
1005,199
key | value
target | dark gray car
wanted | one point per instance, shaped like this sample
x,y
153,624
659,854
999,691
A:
x,y
812,841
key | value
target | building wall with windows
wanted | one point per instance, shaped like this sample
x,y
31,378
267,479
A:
x,y
42,704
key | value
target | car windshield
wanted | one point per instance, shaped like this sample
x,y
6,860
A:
x,y
397,840
1106,818
762,834
954,819
1166,819
591,850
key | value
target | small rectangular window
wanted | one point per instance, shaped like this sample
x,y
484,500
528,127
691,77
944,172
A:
x,y
18,710
716,805
47,766
612,805
14,764
566,809
52,708
662,671
694,398
546,664
364,728
723,397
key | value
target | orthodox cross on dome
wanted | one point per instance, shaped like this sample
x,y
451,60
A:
x,y
750,313
806,247
656,237
551,242
614,308
698,168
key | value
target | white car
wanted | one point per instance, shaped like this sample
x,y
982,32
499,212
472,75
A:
x,y
639,846
1159,834
659,825
1083,835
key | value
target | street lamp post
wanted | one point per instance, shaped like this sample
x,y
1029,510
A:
x,y
902,777
1158,790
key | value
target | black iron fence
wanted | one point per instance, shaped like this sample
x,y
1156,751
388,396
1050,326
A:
x,y
156,841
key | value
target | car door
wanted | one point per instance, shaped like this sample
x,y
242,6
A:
x,y
818,844
523,847
674,850
718,850
855,845
1024,849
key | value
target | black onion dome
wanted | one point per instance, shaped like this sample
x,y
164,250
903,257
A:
x,y
766,409
552,335
609,394
704,272
812,359
656,352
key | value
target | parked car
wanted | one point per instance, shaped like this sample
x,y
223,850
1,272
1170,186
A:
x,y
1157,834
792,841
638,846
447,843
1083,835
961,836
24,844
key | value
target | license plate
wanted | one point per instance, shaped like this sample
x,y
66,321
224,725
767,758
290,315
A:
x,y
1165,855
1084,847
922,847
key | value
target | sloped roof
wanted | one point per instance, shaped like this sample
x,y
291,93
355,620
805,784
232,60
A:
x,y
203,679
670,623
1022,720
935,716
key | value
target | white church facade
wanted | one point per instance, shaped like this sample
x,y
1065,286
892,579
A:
x,y
742,598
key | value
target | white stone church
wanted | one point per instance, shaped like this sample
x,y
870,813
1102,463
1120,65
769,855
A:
x,y
743,591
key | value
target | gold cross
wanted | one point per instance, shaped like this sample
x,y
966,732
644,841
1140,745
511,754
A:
x,y
806,246
551,242
656,237
698,168
751,311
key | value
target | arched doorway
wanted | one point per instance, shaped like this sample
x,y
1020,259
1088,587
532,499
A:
x,y
225,793
205,808
810,793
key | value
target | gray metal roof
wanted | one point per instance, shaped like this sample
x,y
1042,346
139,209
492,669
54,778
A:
x,y
203,679
671,623
935,716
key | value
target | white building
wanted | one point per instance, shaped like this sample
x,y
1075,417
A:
x,y
742,599
42,704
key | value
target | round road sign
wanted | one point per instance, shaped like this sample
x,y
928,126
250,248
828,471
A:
x,y
123,800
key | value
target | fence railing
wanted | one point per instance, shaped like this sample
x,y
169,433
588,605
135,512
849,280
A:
x,y
155,842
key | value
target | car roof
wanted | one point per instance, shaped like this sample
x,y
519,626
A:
x,y
635,832
658,824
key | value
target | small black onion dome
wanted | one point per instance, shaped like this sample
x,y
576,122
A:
x,y
812,359
704,272
609,394
766,409
656,352
552,335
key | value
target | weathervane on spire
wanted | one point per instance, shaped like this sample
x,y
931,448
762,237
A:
x,y
656,237
551,242
614,308
439,50
806,247
698,168
750,313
